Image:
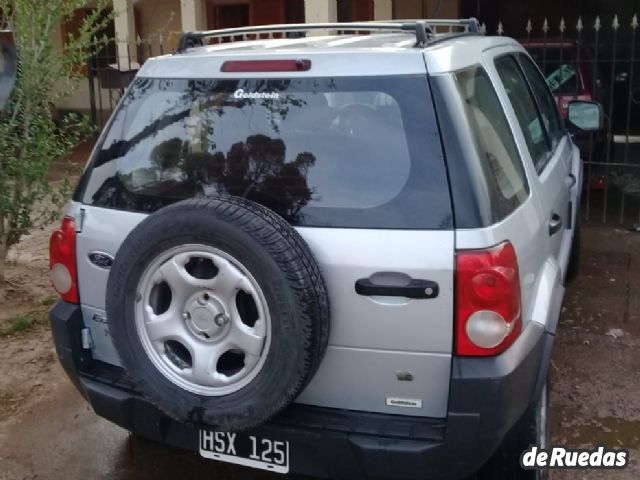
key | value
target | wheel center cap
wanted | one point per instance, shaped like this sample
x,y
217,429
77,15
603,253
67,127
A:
x,y
205,316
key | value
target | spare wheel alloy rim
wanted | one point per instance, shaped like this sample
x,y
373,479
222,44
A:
x,y
203,320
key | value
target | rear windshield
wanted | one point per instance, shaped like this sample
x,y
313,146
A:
x,y
336,152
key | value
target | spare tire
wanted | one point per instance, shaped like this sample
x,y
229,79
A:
x,y
218,311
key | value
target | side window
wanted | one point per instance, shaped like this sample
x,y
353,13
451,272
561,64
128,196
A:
x,y
526,110
548,108
496,147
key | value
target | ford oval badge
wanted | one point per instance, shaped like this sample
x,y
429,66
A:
x,y
101,259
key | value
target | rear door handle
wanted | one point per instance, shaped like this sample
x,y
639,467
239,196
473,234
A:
x,y
418,289
555,224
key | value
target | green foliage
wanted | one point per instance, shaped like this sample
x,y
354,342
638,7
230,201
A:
x,y
30,139
24,322
48,301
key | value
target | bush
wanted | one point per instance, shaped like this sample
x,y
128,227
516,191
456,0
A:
x,y
30,140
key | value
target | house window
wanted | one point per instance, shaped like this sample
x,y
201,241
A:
x,y
355,10
231,16
345,11
294,11
71,28
228,14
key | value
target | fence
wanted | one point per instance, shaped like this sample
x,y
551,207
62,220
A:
x,y
110,72
586,58
595,58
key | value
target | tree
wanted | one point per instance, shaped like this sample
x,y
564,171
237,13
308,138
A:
x,y
30,139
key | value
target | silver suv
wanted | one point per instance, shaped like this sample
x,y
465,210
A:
x,y
338,255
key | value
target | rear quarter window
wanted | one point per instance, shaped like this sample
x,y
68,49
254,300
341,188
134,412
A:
x,y
335,152
506,181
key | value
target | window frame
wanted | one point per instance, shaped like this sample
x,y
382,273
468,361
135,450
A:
x,y
539,166
556,112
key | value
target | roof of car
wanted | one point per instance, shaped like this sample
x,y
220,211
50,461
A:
x,y
339,55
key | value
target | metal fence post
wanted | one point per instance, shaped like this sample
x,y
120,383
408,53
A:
x,y
93,115
609,143
596,27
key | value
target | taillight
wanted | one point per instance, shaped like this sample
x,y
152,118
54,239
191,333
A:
x,y
266,66
62,261
488,301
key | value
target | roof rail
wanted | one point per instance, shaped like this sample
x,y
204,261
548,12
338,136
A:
x,y
471,24
423,29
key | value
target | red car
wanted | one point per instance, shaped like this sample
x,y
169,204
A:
x,y
569,69
572,74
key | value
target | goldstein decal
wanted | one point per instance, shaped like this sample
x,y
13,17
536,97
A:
x,y
242,95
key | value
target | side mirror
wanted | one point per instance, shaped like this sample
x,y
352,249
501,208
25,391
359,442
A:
x,y
585,116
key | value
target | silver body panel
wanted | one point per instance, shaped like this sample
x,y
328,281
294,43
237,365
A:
x,y
95,320
371,338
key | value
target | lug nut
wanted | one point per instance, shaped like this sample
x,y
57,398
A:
x,y
186,316
221,319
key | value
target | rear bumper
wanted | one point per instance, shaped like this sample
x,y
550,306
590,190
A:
x,y
487,398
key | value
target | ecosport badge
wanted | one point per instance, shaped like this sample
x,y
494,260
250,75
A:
x,y
404,402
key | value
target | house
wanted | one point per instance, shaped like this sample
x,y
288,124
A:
x,y
144,28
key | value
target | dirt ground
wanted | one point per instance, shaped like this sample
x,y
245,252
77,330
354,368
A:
x,y
595,392
48,432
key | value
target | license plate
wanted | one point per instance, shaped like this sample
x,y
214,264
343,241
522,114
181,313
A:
x,y
247,450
